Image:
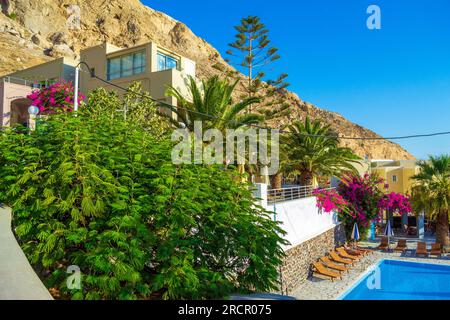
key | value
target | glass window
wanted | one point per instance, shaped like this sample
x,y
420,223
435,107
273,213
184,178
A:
x,y
171,63
113,68
166,62
394,178
138,62
126,66
161,62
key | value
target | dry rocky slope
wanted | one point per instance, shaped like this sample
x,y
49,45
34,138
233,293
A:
x,y
34,31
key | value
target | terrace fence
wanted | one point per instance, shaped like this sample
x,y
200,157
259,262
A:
x,y
24,82
289,194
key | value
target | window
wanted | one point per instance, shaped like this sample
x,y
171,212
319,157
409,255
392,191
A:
x,y
166,62
126,66
47,82
394,178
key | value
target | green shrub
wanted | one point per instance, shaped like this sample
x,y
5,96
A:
x,y
102,193
12,15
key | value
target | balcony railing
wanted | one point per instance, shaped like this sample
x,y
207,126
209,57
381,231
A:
x,y
289,194
24,82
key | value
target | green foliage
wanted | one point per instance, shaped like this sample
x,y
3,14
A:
x,y
313,150
431,193
12,15
136,107
251,53
212,104
100,192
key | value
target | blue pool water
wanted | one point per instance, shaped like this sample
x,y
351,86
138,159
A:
x,y
399,280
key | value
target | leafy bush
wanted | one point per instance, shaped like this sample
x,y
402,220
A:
x,y
102,193
12,15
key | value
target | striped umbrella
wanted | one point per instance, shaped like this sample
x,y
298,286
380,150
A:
x,y
355,232
388,231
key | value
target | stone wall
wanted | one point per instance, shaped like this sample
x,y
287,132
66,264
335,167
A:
x,y
296,267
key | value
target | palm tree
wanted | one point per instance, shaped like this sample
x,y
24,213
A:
x,y
276,180
431,194
313,150
213,105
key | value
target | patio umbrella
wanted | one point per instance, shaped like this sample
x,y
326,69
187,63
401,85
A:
x,y
388,231
355,232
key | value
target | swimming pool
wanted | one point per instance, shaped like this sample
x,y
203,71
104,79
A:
x,y
401,280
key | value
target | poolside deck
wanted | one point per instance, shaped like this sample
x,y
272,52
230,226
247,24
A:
x,y
318,289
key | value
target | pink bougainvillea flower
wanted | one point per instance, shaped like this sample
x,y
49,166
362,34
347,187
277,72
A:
x,y
361,200
56,96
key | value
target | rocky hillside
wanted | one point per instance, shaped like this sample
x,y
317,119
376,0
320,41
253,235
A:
x,y
33,31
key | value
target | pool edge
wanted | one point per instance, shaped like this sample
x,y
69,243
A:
x,y
362,276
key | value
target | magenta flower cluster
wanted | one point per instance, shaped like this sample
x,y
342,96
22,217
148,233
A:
x,y
58,96
395,203
330,200
361,200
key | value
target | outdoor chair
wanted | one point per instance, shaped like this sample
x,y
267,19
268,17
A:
x,y
344,254
421,249
320,269
363,250
330,264
384,244
355,251
336,258
401,246
436,250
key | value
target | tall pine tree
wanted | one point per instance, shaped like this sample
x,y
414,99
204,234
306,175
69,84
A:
x,y
251,53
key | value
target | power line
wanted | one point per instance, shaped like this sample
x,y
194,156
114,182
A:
x,y
172,107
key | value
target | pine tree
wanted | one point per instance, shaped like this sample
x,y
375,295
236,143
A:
x,y
251,52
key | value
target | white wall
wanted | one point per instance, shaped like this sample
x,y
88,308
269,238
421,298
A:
x,y
302,220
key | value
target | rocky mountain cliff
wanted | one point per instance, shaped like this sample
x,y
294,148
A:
x,y
34,31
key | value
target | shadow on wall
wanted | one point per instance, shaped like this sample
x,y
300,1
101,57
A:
x,y
339,235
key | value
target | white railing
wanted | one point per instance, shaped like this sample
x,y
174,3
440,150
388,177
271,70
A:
x,y
288,194
28,83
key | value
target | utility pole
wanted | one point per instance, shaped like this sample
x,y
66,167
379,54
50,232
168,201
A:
x,y
75,98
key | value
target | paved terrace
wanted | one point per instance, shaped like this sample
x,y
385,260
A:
x,y
318,289
18,281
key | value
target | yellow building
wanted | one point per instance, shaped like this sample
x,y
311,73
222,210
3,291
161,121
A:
x,y
397,174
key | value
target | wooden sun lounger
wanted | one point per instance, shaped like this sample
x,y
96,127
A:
x,y
421,249
320,269
436,250
336,258
367,251
401,246
384,244
364,250
354,252
344,254
330,264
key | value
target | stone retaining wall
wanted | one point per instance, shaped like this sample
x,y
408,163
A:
x,y
296,267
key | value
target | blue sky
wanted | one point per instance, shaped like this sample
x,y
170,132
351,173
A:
x,y
395,81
